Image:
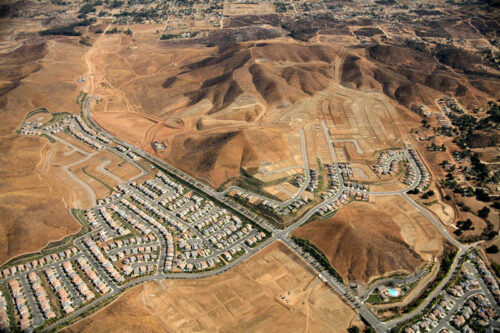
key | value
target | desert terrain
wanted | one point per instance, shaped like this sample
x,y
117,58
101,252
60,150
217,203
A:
x,y
365,241
247,299
253,99
34,203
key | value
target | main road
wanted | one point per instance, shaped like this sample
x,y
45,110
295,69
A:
x,y
277,234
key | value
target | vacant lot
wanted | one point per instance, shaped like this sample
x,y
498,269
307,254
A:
x,y
246,299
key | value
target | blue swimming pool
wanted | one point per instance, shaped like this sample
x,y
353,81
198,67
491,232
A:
x,y
393,293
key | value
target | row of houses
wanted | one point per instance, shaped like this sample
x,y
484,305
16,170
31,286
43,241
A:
x,y
112,223
41,296
159,215
4,317
169,240
296,205
48,259
332,175
252,199
157,185
176,203
488,277
227,224
171,197
205,209
29,128
83,125
82,137
224,239
105,263
334,205
20,304
142,228
193,210
141,270
232,252
388,162
313,183
215,216
120,148
144,190
111,197
89,271
77,281
357,195
65,299
431,320
476,312
425,176
170,182
298,180
251,241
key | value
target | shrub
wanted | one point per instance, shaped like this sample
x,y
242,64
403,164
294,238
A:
x,y
484,212
492,249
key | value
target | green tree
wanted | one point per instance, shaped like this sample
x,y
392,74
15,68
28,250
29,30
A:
x,y
484,212
492,249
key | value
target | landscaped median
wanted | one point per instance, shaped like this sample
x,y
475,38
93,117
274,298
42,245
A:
x,y
318,255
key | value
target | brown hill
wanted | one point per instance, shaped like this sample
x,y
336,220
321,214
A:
x,y
457,58
411,77
273,73
19,64
361,242
221,78
218,155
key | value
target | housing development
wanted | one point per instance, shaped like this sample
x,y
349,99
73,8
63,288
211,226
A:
x,y
254,166
169,226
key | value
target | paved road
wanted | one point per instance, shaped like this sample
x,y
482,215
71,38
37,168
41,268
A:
x,y
295,196
278,234
77,301
264,171
103,275
306,171
487,292
78,180
443,323
158,277
430,297
130,247
102,169
404,280
30,297
354,141
436,223
66,143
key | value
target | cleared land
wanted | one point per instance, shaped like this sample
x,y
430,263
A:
x,y
245,299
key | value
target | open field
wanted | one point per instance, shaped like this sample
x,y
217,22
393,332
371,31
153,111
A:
x,y
246,299
35,196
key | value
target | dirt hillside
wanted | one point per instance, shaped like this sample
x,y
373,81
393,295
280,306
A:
x,y
362,242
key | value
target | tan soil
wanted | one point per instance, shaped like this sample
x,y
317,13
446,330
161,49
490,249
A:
x,y
367,240
245,299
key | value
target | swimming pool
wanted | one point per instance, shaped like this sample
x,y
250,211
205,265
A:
x,y
393,292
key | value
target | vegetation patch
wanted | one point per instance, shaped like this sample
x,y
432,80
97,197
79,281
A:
x,y
318,255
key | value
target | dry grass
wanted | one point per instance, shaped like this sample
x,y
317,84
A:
x,y
245,299
368,240
34,201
